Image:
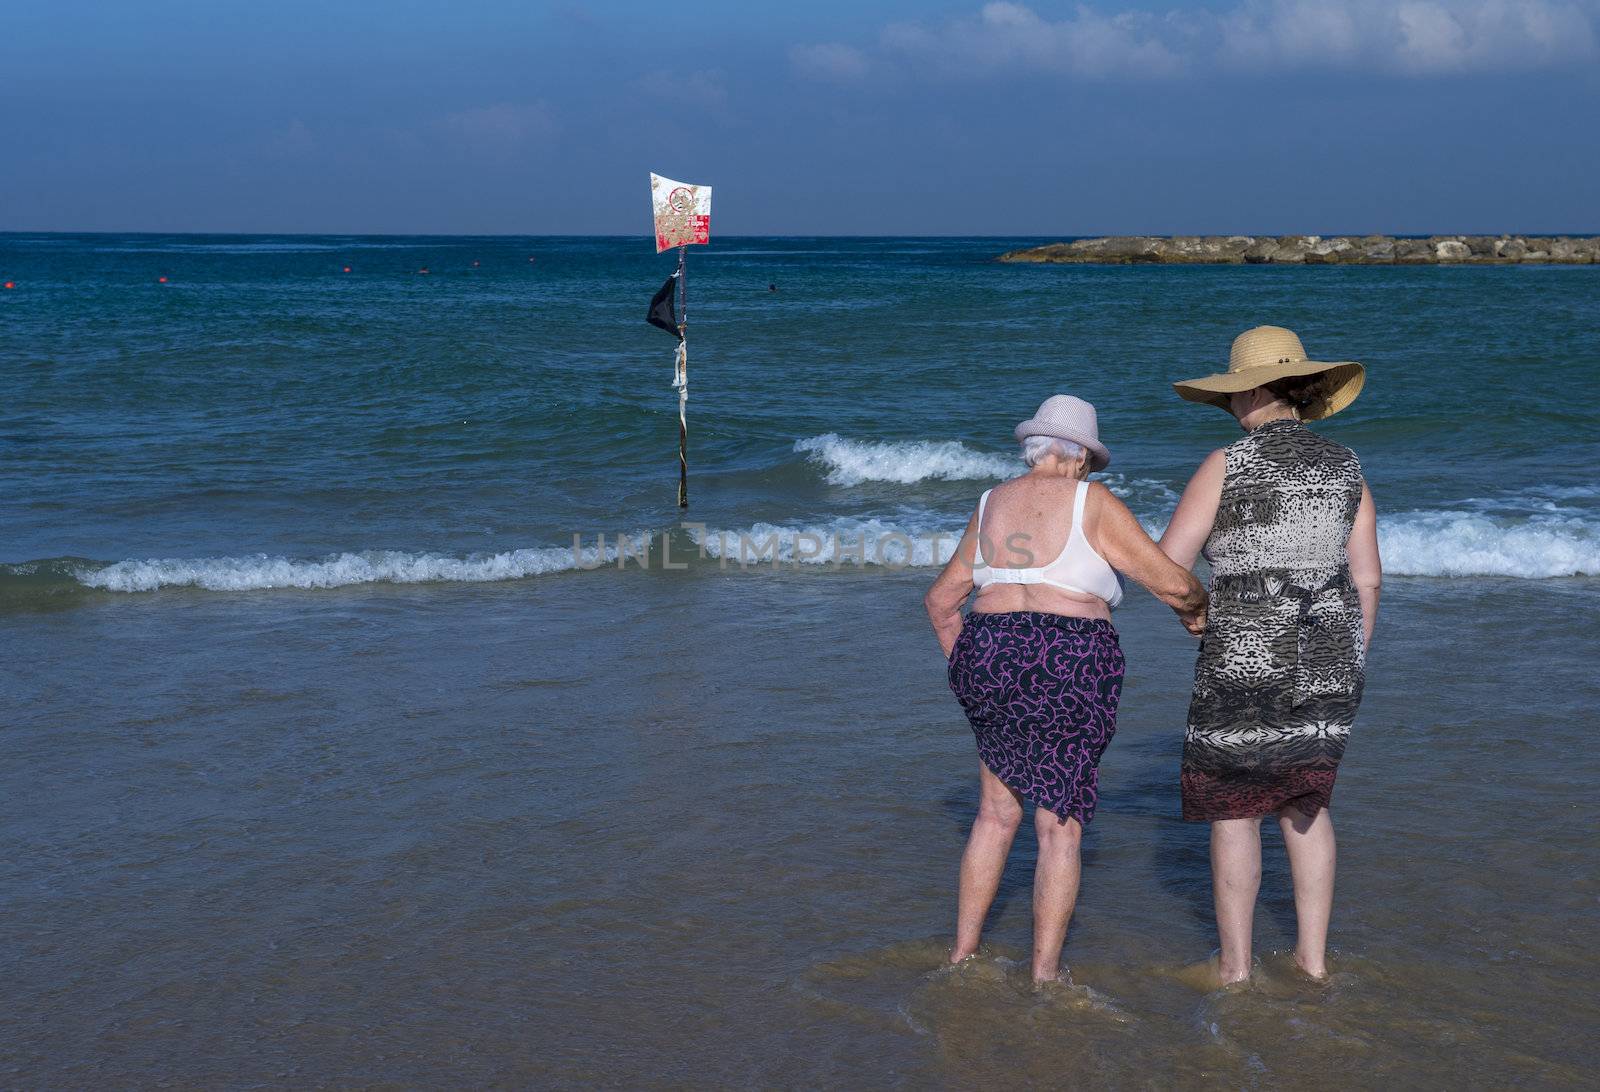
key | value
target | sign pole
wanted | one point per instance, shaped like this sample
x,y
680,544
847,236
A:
x,y
681,380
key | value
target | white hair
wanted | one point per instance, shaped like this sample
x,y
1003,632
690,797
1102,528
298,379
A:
x,y
1035,448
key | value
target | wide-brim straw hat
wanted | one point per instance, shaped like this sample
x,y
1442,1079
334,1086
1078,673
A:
x,y
1067,418
1269,353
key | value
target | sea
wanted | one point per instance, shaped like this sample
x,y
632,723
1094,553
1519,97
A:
x,y
374,716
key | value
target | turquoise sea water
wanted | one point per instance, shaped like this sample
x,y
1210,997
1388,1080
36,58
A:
x,y
330,762
263,402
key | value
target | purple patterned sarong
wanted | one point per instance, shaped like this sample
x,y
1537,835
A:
x,y
1041,692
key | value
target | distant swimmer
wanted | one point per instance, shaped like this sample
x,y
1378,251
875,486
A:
x,y
424,269
772,288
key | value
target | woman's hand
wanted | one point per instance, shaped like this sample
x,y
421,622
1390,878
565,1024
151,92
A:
x,y
1194,620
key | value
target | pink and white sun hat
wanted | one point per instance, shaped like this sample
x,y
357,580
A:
x,y
1068,418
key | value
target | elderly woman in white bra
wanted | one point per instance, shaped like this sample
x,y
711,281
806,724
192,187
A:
x,y
1036,664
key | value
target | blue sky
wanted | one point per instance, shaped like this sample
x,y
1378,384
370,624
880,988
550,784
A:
x,y
827,118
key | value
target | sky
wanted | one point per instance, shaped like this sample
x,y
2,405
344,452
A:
x,y
831,117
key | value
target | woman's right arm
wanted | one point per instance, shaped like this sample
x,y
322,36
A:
x,y
1191,523
951,588
1125,545
1366,567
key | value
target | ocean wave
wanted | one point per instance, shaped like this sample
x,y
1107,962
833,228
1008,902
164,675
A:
x,y
1430,544
1457,544
1424,544
904,462
258,572
839,542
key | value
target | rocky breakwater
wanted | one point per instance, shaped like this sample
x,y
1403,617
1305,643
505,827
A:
x,y
1319,250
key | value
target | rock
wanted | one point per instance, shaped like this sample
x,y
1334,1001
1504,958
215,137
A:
x,y
1413,252
1330,252
1293,248
1569,252
1510,249
1315,250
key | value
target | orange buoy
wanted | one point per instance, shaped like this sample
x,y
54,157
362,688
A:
x,y
11,284
161,280
347,269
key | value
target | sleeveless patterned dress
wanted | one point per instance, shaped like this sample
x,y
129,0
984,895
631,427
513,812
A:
x,y
1280,671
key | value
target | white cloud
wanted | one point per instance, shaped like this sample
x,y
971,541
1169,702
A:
x,y
1008,36
829,61
1413,37
1406,37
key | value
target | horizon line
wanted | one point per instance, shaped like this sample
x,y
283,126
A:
x,y
797,235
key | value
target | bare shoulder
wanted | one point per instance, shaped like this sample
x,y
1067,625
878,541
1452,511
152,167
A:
x,y
1102,508
1100,495
1210,474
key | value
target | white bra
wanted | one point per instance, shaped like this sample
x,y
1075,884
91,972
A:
x,y
1077,569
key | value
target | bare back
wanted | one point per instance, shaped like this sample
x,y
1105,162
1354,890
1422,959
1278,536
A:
x,y
1026,524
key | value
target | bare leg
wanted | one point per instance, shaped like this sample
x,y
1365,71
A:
x,y
1309,840
1235,880
999,815
1055,890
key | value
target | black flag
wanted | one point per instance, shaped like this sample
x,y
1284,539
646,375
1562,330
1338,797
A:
x,y
661,311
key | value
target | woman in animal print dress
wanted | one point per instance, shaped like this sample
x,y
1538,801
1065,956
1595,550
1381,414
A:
x,y
1287,523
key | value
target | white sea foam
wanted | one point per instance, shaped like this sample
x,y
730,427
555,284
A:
x,y
852,462
1426,544
905,462
840,542
259,571
1435,544
1460,544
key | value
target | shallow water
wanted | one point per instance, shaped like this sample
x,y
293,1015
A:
x,y
666,828
327,766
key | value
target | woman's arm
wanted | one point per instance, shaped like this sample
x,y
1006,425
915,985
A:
x,y
951,588
1124,544
1191,523
1366,567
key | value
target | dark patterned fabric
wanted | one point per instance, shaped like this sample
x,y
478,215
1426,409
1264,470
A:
x,y
1279,676
1041,692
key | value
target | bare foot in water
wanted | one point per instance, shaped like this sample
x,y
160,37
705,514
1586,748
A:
x,y
959,956
1316,971
1229,976
1210,976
